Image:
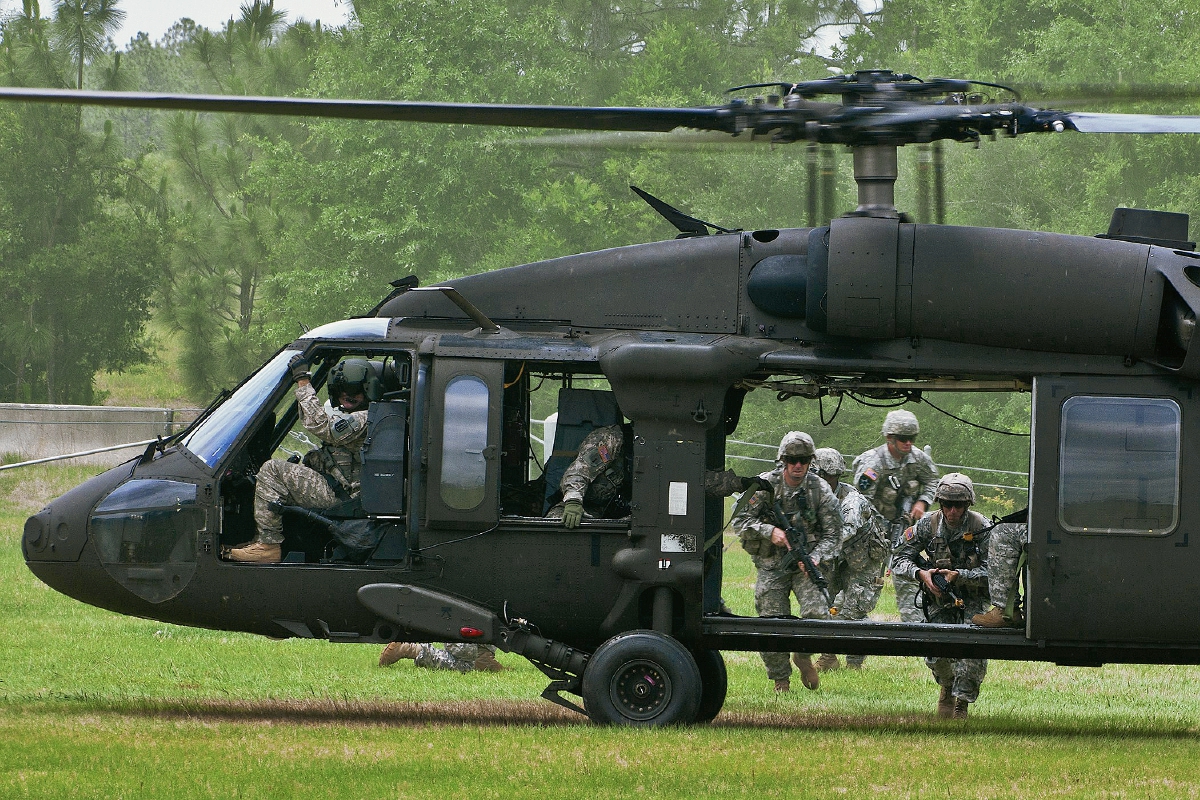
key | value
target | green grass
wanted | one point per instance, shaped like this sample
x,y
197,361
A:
x,y
97,705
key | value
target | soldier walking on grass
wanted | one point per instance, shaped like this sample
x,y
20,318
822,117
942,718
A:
x,y
954,578
898,479
807,504
858,569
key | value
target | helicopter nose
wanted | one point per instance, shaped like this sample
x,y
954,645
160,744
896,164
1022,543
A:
x,y
59,531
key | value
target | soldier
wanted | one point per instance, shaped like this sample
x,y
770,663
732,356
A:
x,y
898,479
460,657
809,504
956,540
858,569
597,482
1006,547
328,475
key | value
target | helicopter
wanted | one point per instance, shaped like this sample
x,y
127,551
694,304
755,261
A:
x,y
624,612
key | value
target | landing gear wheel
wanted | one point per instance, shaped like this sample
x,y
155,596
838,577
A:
x,y
714,682
642,679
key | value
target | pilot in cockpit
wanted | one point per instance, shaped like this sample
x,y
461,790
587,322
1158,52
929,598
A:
x,y
328,475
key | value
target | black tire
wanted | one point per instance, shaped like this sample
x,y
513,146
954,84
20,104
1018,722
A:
x,y
714,684
642,679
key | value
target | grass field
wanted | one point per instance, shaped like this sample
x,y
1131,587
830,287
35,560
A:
x,y
97,705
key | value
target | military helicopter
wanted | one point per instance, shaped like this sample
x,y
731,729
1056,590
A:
x,y
621,612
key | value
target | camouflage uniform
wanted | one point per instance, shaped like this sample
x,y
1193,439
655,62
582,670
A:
x,y
597,475
858,571
754,521
458,656
889,484
329,474
964,549
1005,543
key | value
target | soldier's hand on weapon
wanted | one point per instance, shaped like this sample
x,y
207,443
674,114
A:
x,y
950,574
572,513
300,368
926,576
779,538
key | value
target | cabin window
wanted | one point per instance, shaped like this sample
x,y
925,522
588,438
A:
x,y
464,439
1119,465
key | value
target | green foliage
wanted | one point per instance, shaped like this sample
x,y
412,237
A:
x,y
81,234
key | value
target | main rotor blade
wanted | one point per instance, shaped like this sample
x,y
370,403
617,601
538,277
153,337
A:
x,y
583,118
1088,122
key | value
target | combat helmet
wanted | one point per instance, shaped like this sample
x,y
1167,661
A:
x,y
955,487
795,443
901,423
829,462
353,376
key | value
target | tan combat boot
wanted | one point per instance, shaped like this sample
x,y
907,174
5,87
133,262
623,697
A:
x,y
808,673
945,704
398,650
960,708
994,618
487,662
257,553
783,685
828,662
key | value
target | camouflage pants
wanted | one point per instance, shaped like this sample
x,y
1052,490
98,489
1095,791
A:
x,y
857,578
1004,553
287,484
773,598
855,582
458,656
907,590
962,675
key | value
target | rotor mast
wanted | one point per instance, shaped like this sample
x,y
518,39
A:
x,y
875,172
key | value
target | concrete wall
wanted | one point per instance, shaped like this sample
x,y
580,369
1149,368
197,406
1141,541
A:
x,y
41,431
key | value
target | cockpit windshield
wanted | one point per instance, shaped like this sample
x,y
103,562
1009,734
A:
x,y
213,437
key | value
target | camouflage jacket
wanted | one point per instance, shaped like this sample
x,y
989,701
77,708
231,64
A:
x,y
342,436
812,500
963,548
861,521
887,483
598,473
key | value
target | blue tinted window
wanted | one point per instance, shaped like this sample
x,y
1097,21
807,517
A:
x,y
212,439
464,438
1119,465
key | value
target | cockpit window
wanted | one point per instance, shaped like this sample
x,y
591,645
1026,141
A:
x,y
1120,462
364,328
212,439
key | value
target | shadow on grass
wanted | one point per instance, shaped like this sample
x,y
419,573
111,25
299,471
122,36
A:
x,y
504,713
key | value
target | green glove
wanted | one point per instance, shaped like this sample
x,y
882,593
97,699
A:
x,y
572,513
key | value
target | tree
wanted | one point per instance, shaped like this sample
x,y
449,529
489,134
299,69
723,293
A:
x,y
80,237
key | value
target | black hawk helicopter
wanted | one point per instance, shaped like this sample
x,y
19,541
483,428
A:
x,y
621,611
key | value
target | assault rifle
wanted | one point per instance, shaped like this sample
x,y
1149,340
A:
x,y
949,598
797,540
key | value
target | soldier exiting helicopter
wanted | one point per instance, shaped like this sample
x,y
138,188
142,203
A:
x,y
955,580
596,484
899,480
855,575
807,503
328,475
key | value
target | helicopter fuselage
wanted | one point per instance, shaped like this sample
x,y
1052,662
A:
x,y
1099,330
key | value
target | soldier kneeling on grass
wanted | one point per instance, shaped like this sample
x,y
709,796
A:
x,y
955,540
458,656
